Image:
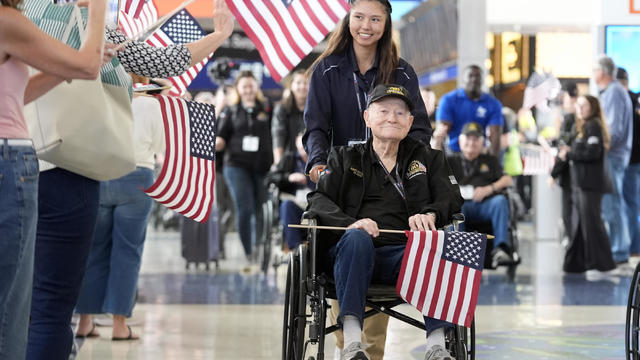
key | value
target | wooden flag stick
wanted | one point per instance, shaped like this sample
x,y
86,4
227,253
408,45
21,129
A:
x,y
320,227
157,24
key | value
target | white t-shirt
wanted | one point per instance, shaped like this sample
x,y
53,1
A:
x,y
148,130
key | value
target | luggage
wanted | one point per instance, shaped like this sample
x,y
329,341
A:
x,y
200,241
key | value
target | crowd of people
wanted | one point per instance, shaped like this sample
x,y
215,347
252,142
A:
x,y
354,133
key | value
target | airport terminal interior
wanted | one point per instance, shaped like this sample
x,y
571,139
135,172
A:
x,y
228,313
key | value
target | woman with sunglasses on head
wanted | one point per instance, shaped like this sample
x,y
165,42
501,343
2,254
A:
x,y
360,55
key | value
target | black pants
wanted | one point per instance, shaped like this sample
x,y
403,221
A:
x,y
567,207
67,213
589,245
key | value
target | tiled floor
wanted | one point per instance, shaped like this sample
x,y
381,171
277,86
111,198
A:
x,y
231,314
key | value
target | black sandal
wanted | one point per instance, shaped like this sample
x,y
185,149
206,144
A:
x,y
130,337
90,334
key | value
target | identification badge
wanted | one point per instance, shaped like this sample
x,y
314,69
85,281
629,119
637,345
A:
x,y
356,142
250,143
467,192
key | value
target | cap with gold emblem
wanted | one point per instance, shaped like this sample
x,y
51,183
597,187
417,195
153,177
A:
x,y
472,128
382,91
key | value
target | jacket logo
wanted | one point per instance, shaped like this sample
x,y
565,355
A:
x,y
484,168
262,116
356,172
416,168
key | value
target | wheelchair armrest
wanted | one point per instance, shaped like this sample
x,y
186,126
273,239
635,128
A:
x,y
456,220
309,218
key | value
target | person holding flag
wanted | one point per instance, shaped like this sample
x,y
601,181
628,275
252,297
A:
x,y
392,181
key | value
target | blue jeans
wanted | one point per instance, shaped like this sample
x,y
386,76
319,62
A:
x,y
18,216
356,264
494,209
248,193
67,210
612,211
631,195
291,213
109,285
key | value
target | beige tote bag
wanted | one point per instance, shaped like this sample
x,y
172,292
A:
x,y
85,127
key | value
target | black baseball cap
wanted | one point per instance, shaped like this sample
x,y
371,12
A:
x,y
472,128
382,91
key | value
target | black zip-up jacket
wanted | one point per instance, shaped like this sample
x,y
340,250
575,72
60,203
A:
x,y
332,116
340,192
587,159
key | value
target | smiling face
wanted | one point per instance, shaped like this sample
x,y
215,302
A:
x,y
367,21
389,119
300,86
247,89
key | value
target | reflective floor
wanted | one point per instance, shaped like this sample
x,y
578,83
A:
x,y
229,313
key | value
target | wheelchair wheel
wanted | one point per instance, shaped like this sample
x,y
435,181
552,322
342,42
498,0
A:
x,y
632,324
461,342
295,319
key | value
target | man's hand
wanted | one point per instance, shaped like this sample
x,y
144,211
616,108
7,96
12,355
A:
x,y
422,222
367,225
222,18
482,192
314,174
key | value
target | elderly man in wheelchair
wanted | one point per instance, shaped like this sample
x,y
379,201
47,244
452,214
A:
x,y
390,182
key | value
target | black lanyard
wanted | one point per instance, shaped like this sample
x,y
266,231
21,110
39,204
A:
x,y
360,106
395,180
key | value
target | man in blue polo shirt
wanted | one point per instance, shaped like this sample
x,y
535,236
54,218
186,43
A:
x,y
465,105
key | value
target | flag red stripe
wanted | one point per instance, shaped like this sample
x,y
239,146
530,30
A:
x,y
461,295
185,152
174,145
272,36
303,29
449,293
429,278
195,172
436,292
210,203
163,172
313,17
254,38
344,5
286,31
474,300
405,259
329,12
415,270
205,206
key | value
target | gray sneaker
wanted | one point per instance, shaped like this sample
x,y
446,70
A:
x,y
355,351
500,257
437,352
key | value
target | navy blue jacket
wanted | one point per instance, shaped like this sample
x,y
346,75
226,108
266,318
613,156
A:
x,y
332,115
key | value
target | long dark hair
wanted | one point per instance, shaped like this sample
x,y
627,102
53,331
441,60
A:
x,y
11,3
387,52
597,116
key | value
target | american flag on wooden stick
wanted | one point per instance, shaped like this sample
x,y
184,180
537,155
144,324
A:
x,y
285,31
182,28
441,272
136,16
185,184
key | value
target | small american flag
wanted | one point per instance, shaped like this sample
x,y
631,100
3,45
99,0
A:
x,y
185,184
182,28
441,272
136,16
285,31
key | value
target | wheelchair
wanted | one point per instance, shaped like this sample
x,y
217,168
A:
x,y
304,286
632,323
272,231
514,243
